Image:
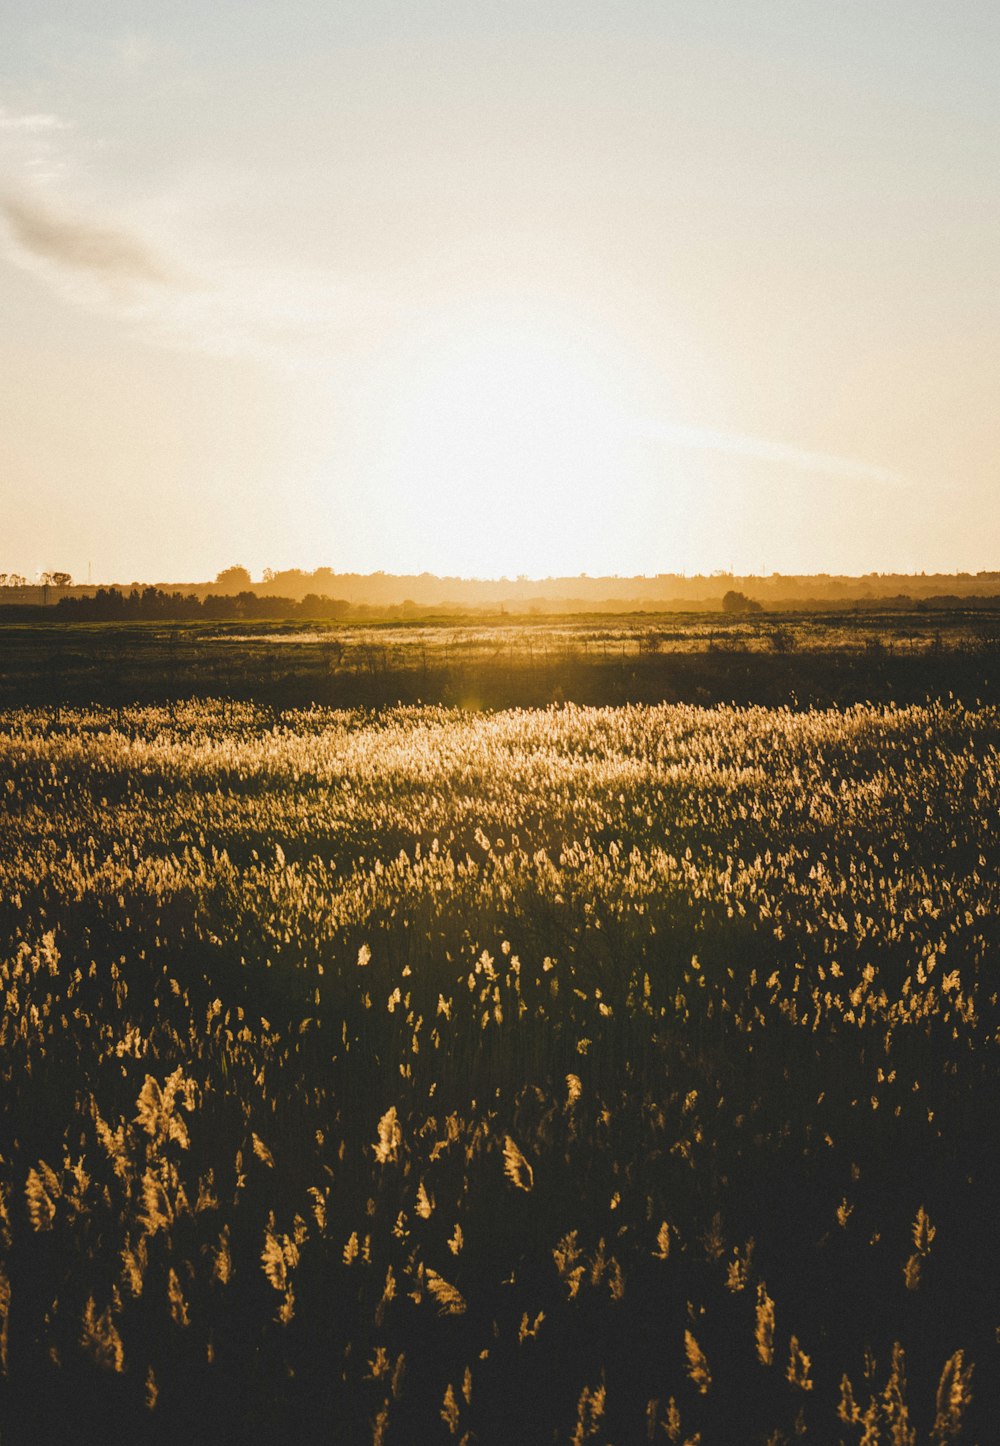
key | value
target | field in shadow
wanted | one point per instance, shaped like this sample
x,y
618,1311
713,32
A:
x,y
808,660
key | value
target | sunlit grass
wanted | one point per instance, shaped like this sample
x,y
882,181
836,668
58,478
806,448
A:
x,y
575,1074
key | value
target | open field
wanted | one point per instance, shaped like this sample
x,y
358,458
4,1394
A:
x,y
839,657
559,1076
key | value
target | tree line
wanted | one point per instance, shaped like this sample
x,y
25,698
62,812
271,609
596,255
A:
x,y
113,604
47,579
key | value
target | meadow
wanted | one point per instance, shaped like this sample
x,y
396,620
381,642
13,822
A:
x,y
814,658
573,1074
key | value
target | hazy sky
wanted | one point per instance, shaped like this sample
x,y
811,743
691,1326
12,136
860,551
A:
x,y
490,288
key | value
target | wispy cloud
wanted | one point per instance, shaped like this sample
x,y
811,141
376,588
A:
x,y
37,145
739,444
81,246
293,318
32,122
160,270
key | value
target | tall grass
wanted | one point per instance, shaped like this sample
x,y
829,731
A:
x,y
570,1075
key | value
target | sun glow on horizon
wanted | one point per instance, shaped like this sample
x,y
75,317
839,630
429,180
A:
x,y
505,441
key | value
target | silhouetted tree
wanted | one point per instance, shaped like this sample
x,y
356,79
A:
x,y
234,579
738,602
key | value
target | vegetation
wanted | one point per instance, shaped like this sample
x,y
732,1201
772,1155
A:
x,y
738,602
153,604
425,594
577,1075
805,659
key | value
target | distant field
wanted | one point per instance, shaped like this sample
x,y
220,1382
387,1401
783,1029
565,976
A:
x,y
558,1076
814,658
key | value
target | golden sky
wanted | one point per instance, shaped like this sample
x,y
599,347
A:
x,y
498,288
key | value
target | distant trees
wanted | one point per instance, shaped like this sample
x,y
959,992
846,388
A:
x,y
234,579
47,579
110,604
738,602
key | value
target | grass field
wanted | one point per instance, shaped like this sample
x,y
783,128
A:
x,y
569,1075
821,659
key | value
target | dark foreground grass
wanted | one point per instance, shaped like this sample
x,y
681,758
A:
x,y
564,1076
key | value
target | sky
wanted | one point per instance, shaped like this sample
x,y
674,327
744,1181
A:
x,y
477,288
